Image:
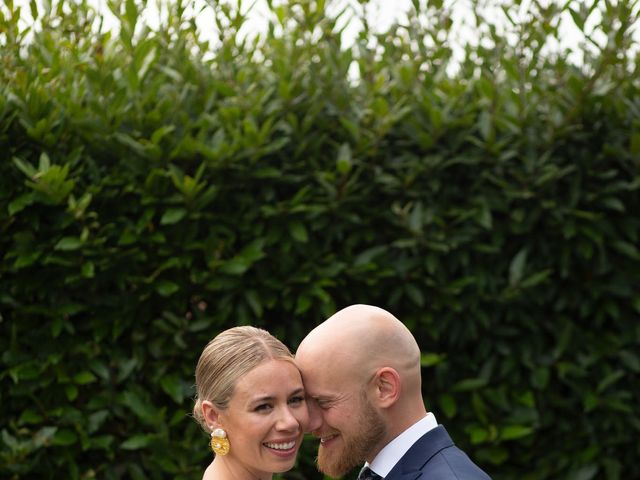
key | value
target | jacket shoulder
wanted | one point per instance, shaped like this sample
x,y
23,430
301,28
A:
x,y
435,457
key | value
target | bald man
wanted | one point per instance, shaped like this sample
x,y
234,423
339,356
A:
x,y
361,371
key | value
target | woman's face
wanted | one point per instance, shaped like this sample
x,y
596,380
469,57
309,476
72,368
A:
x,y
266,418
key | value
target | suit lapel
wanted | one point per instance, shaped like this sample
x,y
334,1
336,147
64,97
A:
x,y
412,462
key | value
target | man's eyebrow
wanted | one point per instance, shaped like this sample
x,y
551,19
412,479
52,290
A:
x,y
317,395
323,398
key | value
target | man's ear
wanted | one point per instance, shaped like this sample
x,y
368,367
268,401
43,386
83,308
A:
x,y
387,386
211,414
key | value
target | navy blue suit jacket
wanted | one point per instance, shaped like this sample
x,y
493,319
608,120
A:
x,y
435,457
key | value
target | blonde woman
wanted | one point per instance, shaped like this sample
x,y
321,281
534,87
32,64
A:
x,y
250,398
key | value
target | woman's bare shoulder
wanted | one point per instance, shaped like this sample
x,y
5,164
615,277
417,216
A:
x,y
209,473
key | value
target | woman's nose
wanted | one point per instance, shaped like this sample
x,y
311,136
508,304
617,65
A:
x,y
287,420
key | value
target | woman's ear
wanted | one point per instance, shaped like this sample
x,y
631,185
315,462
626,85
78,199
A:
x,y
387,385
211,414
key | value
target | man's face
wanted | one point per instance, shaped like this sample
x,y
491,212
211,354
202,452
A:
x,y
350,429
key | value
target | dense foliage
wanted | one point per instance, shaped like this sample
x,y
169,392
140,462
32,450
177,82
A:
x,y
156,188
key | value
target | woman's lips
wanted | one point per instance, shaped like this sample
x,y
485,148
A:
x,y
282,448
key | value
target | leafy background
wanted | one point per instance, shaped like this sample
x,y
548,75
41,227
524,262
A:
x,y
157,188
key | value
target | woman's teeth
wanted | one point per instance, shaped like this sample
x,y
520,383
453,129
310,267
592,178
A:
x,y
281,446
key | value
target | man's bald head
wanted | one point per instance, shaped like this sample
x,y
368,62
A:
x,y
362,338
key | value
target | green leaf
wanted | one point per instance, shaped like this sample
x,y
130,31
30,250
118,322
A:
x,y
496,455
239,264
590,401
25,260
517,266
298,231
484,217
614,204
469,384
350,127
630,360
448,405
414,294
172,386
253,300
68,244
10,440
477,434
513,432
126,367
536,279
25,167
431,359
161,132
137,442
627,249
56,327
588,472
235,266
172,216
343,159
21,203
71,391
540,378
88,270
131,12
96,420
143,409
199,325
100,369
486,87
303,304
578,19
416,218
84,378
29,417
609,380
167,288
102,442
634,144
44,163
64,437
44,436
367,256
33,6
485,123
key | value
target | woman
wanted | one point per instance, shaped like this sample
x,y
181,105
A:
x,y
250,398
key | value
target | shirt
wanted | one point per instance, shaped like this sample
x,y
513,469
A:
x,y
395,450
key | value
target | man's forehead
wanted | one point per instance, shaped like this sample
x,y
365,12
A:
x,y
313,361
323,392
316,374
326,382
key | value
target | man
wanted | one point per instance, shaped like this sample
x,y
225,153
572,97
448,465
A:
x,y
361,371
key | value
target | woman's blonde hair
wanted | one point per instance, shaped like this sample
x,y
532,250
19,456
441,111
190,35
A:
x,y
228,357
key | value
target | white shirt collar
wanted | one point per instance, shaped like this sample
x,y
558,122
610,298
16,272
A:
x,y
394,450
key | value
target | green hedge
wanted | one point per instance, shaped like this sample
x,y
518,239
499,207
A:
x,y
157,188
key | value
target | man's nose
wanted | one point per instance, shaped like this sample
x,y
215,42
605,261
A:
x,y
315,415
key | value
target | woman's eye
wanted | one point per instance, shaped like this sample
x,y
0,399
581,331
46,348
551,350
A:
x,y
296,400
263,407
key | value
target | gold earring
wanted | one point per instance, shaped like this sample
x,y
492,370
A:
x,y
219,442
